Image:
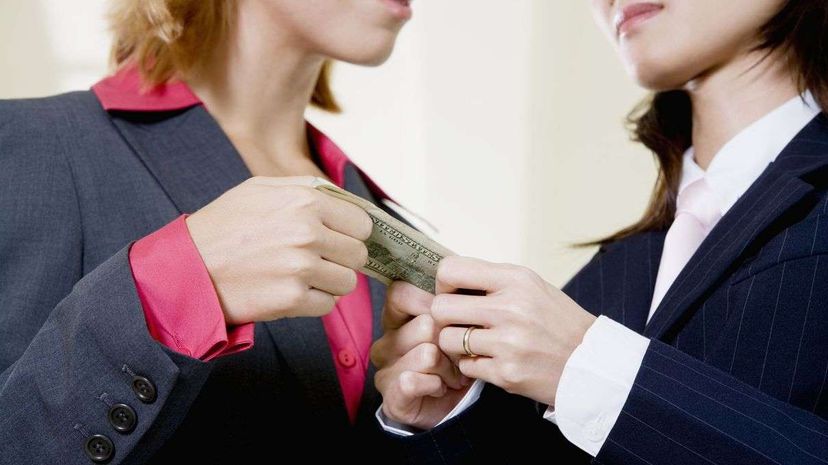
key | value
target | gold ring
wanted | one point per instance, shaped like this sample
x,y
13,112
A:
x,y
466,346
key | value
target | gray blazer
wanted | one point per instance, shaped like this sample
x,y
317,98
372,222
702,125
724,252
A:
x,y
77,185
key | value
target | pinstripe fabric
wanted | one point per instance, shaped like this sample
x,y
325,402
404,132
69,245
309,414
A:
x,y
736,370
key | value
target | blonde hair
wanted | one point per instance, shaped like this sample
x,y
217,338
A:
x,y
165,38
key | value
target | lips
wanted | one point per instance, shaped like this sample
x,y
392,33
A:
x,y
401,9
634,14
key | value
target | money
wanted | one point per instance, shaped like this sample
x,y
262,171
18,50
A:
x,y
396,251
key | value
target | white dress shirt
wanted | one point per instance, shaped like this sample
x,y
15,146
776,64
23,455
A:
x,y
599,375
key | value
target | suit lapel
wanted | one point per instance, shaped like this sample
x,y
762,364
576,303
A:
x,y
304,345
187,153
761,210
639,278
306,340
370,396
355,183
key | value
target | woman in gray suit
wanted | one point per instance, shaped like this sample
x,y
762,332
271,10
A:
x,y
131,332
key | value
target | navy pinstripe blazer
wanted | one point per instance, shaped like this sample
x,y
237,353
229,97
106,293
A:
x,y
737,369
77,185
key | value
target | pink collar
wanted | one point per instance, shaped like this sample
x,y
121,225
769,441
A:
x,y
124,91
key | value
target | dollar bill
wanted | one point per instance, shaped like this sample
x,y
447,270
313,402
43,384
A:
x,y
396,251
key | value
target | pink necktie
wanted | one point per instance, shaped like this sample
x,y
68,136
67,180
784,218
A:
x,y
697,211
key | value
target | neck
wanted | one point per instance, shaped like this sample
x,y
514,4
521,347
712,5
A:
x,y
728,99
257,85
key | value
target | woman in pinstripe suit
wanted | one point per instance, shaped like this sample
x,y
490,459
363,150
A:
x,y
697,335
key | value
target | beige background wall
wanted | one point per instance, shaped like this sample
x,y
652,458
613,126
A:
x,y
499,121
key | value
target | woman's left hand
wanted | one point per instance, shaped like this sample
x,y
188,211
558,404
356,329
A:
x,y
525,328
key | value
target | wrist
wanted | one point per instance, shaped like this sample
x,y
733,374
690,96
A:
x,y
580,326
584,323
196,233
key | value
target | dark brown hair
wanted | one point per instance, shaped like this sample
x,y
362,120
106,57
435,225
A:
x,y
166,39
663,123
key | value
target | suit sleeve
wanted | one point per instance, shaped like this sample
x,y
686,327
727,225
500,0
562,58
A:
x,y
681,410
181,306
72,348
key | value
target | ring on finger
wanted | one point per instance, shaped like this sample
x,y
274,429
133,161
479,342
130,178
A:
x,y
466,344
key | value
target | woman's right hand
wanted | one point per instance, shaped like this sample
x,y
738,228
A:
x,y
277,247
419,384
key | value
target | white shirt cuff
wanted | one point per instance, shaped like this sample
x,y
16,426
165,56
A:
x,y
595,383
467,401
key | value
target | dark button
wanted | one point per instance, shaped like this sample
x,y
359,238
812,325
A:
x,y
144,389
99,448
346,358
122,418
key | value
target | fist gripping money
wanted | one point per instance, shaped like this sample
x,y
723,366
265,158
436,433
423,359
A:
x,y
396,251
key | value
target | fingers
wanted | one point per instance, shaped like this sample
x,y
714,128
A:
x,y
404,301
332,278
403,398
427,358
408,387
469,273
453,309
397,342
414,385
336,214
306,181
315,303
481,341
343,249
345,217
484,368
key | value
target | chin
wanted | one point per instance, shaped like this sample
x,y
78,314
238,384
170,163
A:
x,y
371,49
657,74
370,57
656,80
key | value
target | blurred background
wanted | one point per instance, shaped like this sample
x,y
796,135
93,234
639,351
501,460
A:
x,y
498,121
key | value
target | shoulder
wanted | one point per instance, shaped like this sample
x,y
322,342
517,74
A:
x,y
23,118
34,138
39,121
36,133
52,106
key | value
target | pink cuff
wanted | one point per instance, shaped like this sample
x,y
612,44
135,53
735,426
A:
x,y
180,303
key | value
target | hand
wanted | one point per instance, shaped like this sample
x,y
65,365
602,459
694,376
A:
x,y
276,247
419,384
526,328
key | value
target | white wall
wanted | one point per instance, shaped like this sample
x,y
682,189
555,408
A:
x,y
588,180
500,121
449,118
49,46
